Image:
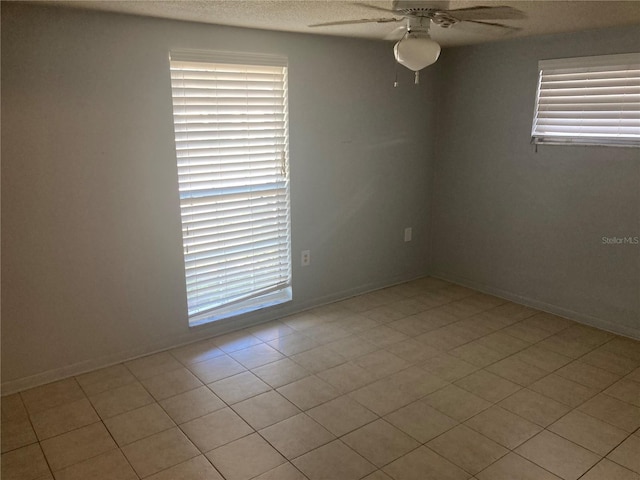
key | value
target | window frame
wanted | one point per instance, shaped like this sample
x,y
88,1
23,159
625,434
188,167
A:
x,y
595,66
217,62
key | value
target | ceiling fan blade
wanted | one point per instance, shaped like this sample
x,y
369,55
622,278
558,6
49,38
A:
x,y
374,7
486,13
485,28
354,22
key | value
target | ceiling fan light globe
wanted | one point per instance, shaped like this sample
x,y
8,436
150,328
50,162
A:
x,y
416,51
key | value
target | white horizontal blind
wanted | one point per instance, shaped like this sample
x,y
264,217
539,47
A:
x,y
589,100
231,135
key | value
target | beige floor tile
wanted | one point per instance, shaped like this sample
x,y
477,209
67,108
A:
x,y
280,373
256,355
140,423
436,317
383,336
613,411
634,375
612,361
408,306
626,454
528,333
588,432
504,427
446,338
488,386
457,403
448,367
542,358
425,464
52,395
380,442
421,421
378,475
347,377
296,435
624,346
383,314
63,418
216,429
171,383
77,445
355,323
308,392
587,375
120,400
607,470
197,352
16,434
271,330
105,379
512,466
625,390
245,458
159,452
351,347
467,449
286,471
557,455
327,332
341,415
332,461
302,321
192,404
25,463
517,371
563,390
12,408
381,363
389,394
196,468
534,407
501,342
294,343
412,351
513,311
265,409
410,326
239,387
477,354
216,368
550,322
572,347
318,359
108,466
234,341
152,365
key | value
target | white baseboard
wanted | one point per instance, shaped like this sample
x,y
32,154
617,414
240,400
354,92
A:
x,y
580,317
196,334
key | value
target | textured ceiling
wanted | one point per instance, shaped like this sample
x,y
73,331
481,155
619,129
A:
x,y
543,16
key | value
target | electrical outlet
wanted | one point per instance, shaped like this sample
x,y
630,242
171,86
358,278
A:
x,y
407,234
306,258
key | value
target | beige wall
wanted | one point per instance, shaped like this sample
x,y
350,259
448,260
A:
x,y
91,251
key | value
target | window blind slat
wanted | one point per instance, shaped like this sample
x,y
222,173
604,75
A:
x,y
230,122
589,100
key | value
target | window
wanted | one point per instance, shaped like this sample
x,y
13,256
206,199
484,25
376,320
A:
x,y
231,133
589,101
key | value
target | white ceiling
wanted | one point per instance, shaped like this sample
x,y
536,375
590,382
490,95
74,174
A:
x,y
543,16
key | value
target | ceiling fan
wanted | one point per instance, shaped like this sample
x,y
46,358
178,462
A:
x,y
416,50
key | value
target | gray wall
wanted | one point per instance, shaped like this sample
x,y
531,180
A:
x,y
525,225
91,251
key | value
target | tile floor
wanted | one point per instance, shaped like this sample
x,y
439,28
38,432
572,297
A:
x,y
425,380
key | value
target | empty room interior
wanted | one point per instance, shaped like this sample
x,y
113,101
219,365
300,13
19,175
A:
x,y
289,240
